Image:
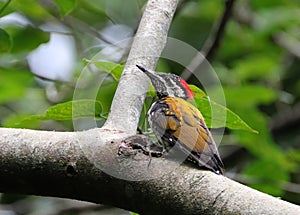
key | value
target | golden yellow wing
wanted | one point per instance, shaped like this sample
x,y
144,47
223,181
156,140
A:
x,y
178,123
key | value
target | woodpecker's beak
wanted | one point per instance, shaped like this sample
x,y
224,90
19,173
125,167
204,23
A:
x,y
146,71
141,68
151,74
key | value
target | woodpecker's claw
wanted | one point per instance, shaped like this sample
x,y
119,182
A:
x,y
133,144
126,149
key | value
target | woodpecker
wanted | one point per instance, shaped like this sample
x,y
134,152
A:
x,y
177,123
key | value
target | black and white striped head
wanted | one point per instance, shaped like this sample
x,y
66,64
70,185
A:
x,y
168,84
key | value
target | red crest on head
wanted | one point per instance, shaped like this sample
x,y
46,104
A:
x,y
189,92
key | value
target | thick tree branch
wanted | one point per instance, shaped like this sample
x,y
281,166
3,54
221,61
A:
x,y
56,164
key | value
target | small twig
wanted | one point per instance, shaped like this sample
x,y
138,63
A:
x,y
213,42
288,43
245,16
285,119
73,21
180,6
5,6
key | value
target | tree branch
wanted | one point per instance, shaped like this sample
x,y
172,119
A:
x,y
213,42
146,48
244,15
287,42
56,164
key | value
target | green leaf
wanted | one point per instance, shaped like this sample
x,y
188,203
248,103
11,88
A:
x,y
30,8
4,8
198,93
5,41
17,121
28,38
294,154
115,70
217,115
13,84
106,94
65,6
76,109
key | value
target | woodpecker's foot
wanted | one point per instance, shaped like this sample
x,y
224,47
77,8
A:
x,y
134,144
126,149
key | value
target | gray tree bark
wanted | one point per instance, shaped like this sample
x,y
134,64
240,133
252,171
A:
x,y
60,164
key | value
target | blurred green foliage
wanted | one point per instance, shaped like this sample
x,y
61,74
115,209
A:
x,y
257,63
